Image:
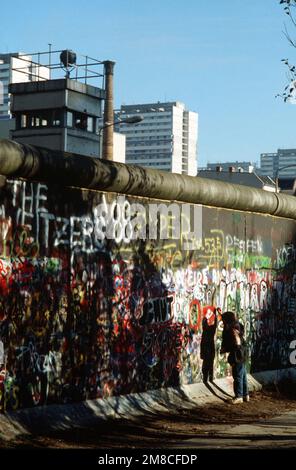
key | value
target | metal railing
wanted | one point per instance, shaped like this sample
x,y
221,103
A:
x,y
35,65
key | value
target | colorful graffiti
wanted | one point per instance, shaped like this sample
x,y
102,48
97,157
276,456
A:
x,y
84,316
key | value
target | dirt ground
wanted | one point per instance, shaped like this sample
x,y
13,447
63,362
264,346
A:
x,y
160,430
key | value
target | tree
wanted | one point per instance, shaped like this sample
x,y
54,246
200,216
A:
x,y
289,93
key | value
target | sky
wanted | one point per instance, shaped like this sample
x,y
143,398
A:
x,y
222,58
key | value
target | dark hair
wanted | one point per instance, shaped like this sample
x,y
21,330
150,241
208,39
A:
x,y
228,317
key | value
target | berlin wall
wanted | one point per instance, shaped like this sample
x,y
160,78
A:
x,y
89,310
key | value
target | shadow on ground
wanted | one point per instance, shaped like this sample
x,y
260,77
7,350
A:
x,y
163,429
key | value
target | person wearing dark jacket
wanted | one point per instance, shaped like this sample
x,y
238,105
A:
x,y
233,343
207,345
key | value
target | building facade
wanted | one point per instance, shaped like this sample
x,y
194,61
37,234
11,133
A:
x,y
15,68
272,163
268,164
166,139
118,147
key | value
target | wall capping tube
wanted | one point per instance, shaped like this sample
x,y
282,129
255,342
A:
x,y
56,167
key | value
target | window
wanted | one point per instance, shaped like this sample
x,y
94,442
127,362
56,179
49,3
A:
x,y
80,121
69,119
38,119
90,124
97,125
23,121
56,118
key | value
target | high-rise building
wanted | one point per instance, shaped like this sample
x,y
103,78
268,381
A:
x,y
272,163
15,68
268,164
166,139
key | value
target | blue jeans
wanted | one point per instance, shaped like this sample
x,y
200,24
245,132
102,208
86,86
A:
x,y
240,384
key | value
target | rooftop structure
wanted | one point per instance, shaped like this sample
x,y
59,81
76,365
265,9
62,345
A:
x,y
62,109
240,177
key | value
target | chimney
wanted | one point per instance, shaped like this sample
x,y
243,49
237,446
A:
x,y
107,153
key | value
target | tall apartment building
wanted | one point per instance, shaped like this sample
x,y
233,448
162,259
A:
x,y
272,163
166,139
268,164
15,68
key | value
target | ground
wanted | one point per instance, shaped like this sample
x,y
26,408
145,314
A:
x,y
269,418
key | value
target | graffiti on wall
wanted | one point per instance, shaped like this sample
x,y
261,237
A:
x,y
86,316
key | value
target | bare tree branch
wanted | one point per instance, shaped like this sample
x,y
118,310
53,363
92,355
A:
x,y
289,93
288,37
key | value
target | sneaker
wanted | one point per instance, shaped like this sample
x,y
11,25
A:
x,y
247,398
237,400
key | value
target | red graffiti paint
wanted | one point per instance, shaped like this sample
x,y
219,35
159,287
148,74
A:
x,y
208,312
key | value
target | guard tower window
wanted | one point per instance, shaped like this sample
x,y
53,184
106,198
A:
x,y
23,121
90,124
56,118
98,125
39,121
80,121
69,119
42,118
